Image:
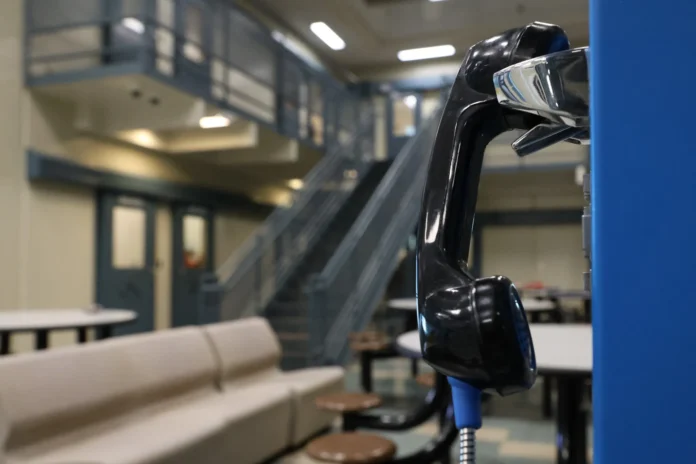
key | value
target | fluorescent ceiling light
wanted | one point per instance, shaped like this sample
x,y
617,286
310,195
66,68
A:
x,y
327,35
411,101
212,122
426,53
133,24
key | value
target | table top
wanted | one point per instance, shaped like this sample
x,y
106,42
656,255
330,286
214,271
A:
x,y
408,344
405,304
558,347
530,304
534,305
25,320
558,293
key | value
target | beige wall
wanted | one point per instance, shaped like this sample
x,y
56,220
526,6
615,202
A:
x,y
47,240
163,267
231,230
532,190
551,254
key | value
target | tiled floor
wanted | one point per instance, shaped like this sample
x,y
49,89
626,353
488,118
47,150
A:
x,y
514,431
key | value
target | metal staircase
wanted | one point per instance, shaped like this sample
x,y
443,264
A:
x,y
288,311
343,297
251,278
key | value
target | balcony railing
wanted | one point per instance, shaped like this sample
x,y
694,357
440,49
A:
x,y
207,48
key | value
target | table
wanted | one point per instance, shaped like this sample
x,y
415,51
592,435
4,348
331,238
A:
x,y
563,351
556,295
42,321
531,305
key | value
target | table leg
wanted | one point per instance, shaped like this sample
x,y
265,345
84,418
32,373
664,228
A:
x,y
41,339
103,332
571,420
350,422
82,335
546,396
5,343
411,322
366,371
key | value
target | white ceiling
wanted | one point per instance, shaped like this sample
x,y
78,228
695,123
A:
x,y
375,30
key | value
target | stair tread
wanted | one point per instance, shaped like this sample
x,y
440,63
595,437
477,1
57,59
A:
x,y
288,311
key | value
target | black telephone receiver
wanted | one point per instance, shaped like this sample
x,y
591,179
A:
x,y
474,330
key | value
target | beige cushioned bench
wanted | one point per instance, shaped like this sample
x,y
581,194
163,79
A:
x,y
151,398
249,354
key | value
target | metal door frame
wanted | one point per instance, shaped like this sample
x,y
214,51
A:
x,y
179,210
106,201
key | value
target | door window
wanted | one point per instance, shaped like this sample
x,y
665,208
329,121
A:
x,y
128,237
195,242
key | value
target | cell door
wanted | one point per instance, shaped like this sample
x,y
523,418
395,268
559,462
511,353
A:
x,y
193,19
193,258
126,258
124,35
403,119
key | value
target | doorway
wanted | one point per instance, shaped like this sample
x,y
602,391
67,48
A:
x,y
124,35
192,260
193,21
126,258
403,120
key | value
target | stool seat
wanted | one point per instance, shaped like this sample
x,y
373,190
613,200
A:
x,y
366,335
348,402
352,448
427,379
370,345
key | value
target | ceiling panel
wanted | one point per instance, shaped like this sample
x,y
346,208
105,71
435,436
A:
x,y
375,30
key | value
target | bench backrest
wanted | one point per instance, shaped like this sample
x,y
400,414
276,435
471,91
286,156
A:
x,y
44,394
244,347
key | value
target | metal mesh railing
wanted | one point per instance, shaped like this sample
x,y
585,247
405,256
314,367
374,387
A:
x,y
211,49
250,278
343,297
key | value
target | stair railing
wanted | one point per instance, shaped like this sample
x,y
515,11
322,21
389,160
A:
x,y
343,297
250,278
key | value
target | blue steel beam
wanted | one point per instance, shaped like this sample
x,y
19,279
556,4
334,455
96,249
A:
x,y
644,230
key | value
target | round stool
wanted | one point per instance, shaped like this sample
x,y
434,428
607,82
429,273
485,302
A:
x,y
369,345
352,448
366,335
426,380
348,402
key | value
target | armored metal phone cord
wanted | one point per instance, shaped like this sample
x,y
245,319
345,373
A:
x,y
467,446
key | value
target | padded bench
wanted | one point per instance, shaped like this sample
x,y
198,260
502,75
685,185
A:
x,y
140,399
177,396
249,354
